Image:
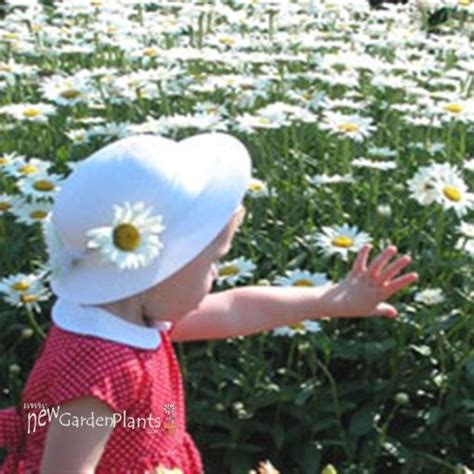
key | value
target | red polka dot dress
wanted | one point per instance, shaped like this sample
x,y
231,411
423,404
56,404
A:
x,y
133,369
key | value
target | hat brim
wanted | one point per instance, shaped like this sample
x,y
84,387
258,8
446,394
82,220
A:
x,y
227,168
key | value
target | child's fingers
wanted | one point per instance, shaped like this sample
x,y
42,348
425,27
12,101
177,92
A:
x,y
386,310
393,269
400,282
381,260
360,263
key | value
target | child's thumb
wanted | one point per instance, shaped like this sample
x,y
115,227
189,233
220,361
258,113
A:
x,y
386,310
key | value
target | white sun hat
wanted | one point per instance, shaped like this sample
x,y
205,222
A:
x,y
138,210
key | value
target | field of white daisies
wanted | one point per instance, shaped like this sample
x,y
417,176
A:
x,y
360,124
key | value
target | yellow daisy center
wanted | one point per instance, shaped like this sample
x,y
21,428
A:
x,y
96,3
28,169
227,40
299,326
264,121
126,237
28,298
31,112
4,160
452,193
36,28
20,285
303,282
43,185
464,3
150,52
9,36
348,127
255,187
38,214
342,241
228,270
4,206
70,94
454,108
5,68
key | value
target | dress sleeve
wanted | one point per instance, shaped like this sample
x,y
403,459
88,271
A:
x,y
110,372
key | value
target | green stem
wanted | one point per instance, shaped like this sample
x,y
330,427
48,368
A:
x,y
337,408
34,324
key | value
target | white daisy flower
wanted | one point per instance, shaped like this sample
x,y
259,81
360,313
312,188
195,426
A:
x,y
8,160
66,90
375,164
341,240
257,188
330,179
9,202
352,126
469,164
466,229
29,112
300,277
132,240
301,327
465,245
234,270
20,167
29,214
40,185
452,192
430,296
423,187
24,290
78,136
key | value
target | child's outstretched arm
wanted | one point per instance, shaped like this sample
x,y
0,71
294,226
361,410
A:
x,y
76,449
252,309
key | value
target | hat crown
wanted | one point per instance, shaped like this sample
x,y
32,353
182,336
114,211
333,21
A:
x,y
150,169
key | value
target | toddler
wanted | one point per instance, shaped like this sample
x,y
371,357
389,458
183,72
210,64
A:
x,y
133,238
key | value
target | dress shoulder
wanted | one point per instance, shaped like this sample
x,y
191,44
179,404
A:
x,y
82,366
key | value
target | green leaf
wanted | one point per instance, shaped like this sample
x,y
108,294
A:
x,y
363,421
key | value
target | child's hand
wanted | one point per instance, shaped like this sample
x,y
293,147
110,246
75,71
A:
x,y
364,290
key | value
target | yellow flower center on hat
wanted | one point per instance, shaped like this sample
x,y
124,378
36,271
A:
x,y
38,214
70,94
126,237
452,193
348,127
303,282
228,270
4,206
299,326
28,169
28,298
20,285
43,185
454,108
342,241
31,112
